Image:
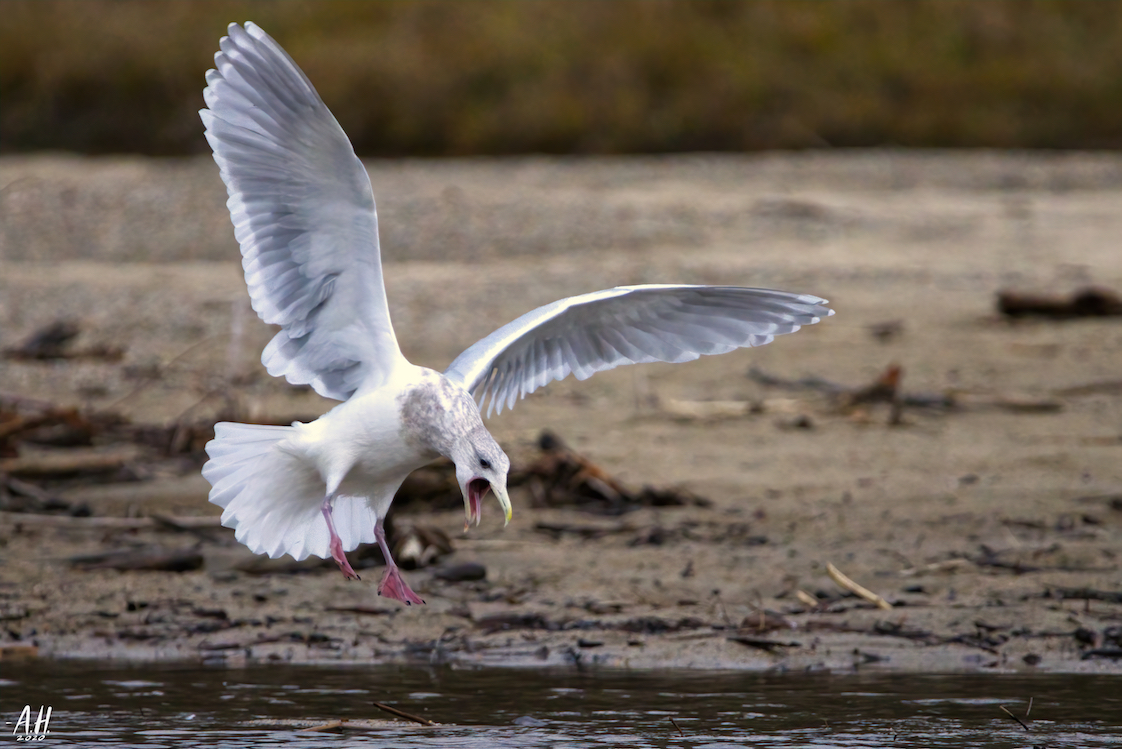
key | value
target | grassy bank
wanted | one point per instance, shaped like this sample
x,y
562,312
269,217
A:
x,y
584,76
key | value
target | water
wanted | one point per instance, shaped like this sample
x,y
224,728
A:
x,y
102,705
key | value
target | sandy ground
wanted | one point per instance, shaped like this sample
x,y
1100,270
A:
x,y
973,522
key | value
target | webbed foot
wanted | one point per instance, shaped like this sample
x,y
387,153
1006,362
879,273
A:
x,y
394,586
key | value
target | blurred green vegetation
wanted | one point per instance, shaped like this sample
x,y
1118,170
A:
x,y
583,76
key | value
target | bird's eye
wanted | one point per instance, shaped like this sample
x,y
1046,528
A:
x,y
485,464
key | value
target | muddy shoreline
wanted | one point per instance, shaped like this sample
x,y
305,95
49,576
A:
x,y
993,526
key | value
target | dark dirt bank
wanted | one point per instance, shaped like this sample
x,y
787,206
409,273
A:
x,y
977,489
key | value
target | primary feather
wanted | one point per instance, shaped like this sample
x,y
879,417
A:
x,y
593,332
304,215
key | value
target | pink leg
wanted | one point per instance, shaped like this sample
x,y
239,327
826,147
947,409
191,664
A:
x,y
336,543
393,585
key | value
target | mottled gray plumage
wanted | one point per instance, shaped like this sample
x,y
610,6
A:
x,y
304,215
436,413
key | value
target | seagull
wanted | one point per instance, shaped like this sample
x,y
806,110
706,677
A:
x,y
304,216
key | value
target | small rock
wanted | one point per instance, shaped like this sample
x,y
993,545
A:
x,y
528,720
465,572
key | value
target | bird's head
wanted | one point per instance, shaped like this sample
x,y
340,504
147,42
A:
x,y
481,465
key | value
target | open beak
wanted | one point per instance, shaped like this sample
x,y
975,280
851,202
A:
x,y
476,490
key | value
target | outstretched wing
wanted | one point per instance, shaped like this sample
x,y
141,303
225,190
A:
x,y
303,213
590,333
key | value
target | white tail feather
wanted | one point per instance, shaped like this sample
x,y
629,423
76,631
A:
x,y
271,497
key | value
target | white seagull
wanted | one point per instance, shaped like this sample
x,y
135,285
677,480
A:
x,y
303,212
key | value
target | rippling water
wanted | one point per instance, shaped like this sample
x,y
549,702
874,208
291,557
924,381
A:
x,y
187,706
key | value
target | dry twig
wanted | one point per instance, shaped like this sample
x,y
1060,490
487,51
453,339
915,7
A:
x,y
1014,717
335,726
859,591
403,714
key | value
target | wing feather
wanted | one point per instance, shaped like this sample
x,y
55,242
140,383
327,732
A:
x,y
594,332
304,216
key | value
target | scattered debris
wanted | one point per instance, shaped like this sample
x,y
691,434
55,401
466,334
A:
x,y
1012,402
210,532
561,477
1082,594
512,620
886,388
940,567
402,714
1106,643
766,620
558,477
1102,387
1092,301
18,652
1014,560
899,629
463,572
1014,717
984,637
802,421
584,530
46,449
418,546
53,341
260,565
70,463
364,610
73,521
1112,653
148,558
760,643
335,726
44,342
886,331
653,625
24,496
807,599
706,410
646,625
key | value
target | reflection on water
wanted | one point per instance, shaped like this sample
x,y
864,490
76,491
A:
x,y
188,706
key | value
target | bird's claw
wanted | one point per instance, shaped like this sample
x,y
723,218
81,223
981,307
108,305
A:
x,y
394,586
341,560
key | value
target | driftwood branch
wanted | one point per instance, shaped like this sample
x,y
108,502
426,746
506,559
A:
x,y
66,464
1089,302
103,523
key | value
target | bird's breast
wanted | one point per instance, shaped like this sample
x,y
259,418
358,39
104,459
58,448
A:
x,y
362,439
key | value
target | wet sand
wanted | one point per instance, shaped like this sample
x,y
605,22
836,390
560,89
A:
x,y
974,522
